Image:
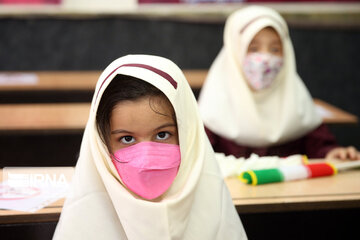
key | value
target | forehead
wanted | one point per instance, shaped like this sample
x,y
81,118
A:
x,y
143,112
267,34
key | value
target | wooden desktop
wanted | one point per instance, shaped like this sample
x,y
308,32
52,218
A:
x,y
74,115
341,191
71,80
331,192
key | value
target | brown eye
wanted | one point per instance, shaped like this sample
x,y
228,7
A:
x,y
127,139
163,135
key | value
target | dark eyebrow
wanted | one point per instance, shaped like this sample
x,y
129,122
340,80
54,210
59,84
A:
x,y
117,131
120,131
166,125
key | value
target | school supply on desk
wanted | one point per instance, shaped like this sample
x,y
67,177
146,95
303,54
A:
x,y
231,166
296,172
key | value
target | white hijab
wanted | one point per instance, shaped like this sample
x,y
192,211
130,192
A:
x,y
281,113
196,206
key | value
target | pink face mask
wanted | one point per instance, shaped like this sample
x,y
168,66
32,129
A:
x,y
148,168
261,69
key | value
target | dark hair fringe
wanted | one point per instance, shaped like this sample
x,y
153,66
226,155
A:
x,y
122,88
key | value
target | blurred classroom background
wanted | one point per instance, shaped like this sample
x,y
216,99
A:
x,y
69,35
80,35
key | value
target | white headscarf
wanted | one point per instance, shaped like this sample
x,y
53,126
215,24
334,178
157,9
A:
x,y
281,113
196,206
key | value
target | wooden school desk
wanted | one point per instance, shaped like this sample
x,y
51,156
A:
x,y
333,192
334,115
67,116
69,80
86,80
49,213
318,208
73,116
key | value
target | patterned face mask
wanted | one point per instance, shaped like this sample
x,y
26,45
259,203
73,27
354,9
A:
x,y
261,69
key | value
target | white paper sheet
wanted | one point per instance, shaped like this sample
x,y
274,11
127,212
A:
x,y
18,79
30,189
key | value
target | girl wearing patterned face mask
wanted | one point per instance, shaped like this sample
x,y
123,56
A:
x,y
253,100
145,163
263,60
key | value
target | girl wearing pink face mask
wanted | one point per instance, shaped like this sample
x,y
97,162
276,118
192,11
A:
x,y
145,163
253,100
